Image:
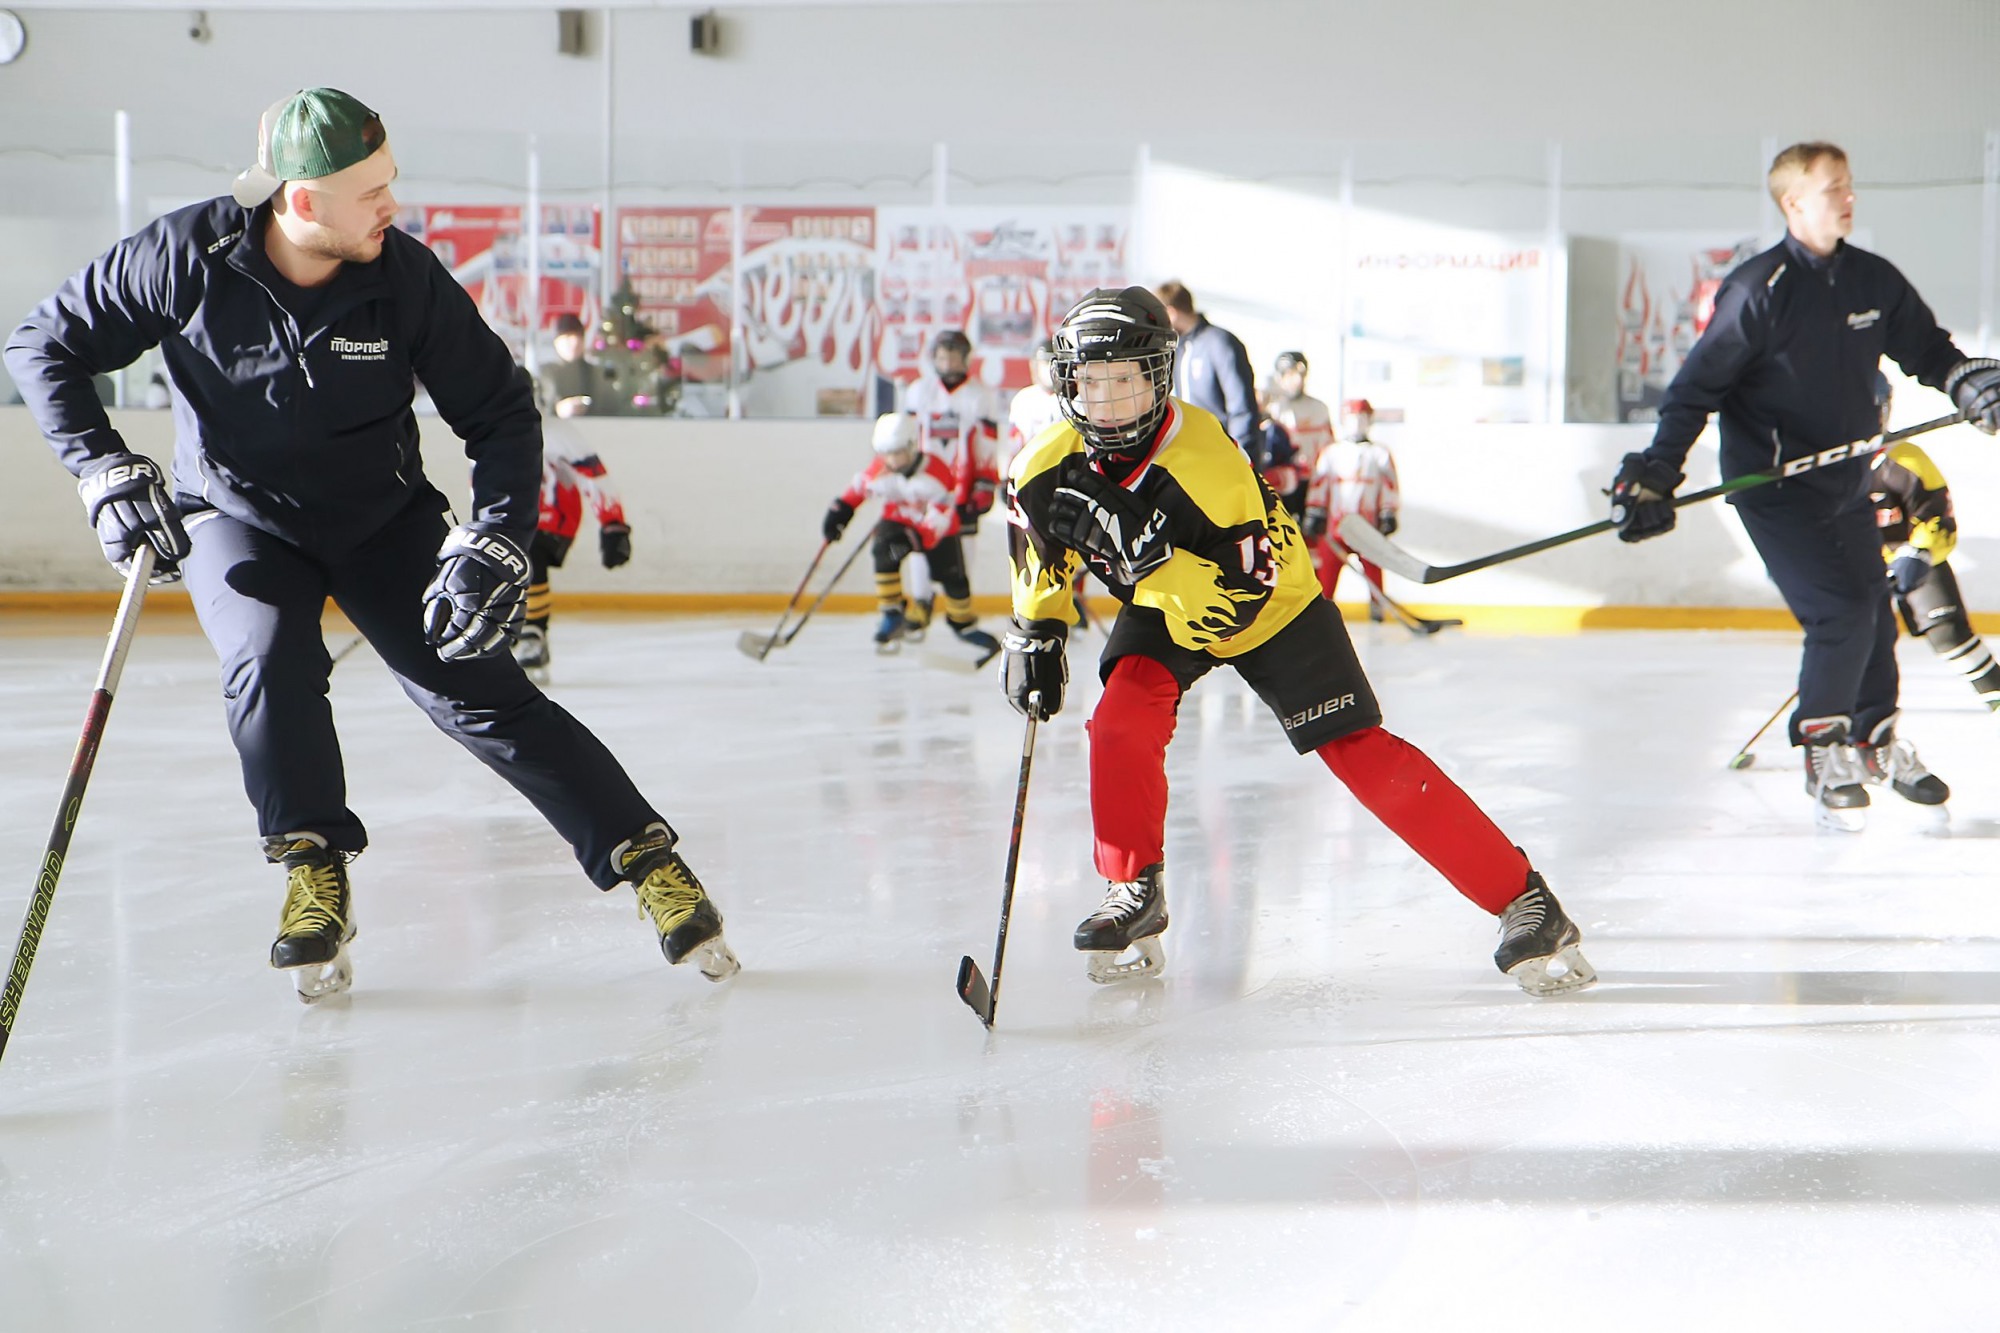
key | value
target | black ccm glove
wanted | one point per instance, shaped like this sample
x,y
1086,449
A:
x,y
1974,386
1098,517
1642,498
126,498
1035,663
475,604
614,544
835,523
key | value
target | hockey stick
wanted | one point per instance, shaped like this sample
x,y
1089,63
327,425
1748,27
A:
x,y
72,794
759,646
1743,758
1360,536
984,1000
352,644
1413,622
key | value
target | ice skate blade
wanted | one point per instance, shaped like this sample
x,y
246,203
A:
x,y
315,981
1534,976
888,649
1854,819
1145,959
714,959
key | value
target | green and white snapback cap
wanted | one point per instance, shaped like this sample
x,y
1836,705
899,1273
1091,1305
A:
x,y
308,135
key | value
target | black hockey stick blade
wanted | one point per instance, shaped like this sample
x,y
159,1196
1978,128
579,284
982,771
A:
x,y
1360,536
973,990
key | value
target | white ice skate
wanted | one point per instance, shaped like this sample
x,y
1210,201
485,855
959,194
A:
x,y
1122,937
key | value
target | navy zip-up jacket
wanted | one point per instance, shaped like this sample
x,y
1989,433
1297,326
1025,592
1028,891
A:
x,y
1789,362
1212,371
306,433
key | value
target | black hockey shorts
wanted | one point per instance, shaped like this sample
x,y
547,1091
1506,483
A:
x,y
1307,673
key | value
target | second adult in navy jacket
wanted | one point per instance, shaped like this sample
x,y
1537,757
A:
x,y
1788,365
305,429
1212,371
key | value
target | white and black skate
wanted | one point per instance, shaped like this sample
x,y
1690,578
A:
x,y
318,920
531,653
1887,759
1539,945
689,927
1122,937
1834,776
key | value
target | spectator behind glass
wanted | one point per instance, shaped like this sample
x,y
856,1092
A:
x,y
570,381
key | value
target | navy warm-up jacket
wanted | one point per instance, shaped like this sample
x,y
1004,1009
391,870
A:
x,y
306,433
1212,371
1789,363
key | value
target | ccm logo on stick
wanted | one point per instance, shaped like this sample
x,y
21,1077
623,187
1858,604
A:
x,y
1859,449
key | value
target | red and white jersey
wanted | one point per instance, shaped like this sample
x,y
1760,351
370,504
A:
x,y
572,473
1354,477
926,501
1310,424
961,426
1033,411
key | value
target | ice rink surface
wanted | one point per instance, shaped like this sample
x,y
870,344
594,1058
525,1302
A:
x,y
1779,1109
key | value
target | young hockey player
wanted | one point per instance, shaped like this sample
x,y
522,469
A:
x,y
1787,364
1914,518
295,322
1353,476
1156,499
919,514
571,473
958,418
1306,421
1034,408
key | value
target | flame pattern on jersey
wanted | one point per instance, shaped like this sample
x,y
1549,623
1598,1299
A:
x,y
925,501
571,475
960,426
1239,572
1912,503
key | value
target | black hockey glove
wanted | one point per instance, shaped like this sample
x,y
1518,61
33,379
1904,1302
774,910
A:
x,y
1098,517
475,604
1035,663
1314,524
1974,386
614,544
1386,525
835,523
126,498
1909,569
1642,496
968,519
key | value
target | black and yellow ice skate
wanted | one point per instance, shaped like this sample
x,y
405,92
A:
x,y
686,919
1130,920
318,920
1540,945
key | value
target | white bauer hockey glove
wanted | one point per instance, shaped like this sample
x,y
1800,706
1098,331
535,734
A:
x,y
126,498
1097,517
475,604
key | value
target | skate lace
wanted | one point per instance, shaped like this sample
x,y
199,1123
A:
x,y
1836,766
312,901
1523,916
669,894
1122,901
1903,763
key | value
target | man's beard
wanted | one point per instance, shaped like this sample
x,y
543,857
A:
x,y
324,244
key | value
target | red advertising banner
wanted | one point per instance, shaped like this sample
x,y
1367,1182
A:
x,y
482,246
677,262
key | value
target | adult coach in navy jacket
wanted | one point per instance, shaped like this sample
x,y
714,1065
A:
x,y
1788,364
1212,371
294,321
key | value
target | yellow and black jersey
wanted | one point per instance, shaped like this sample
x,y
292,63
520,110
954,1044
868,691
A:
x,y
1239,572
1912,505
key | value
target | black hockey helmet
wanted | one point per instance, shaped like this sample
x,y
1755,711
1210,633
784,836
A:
x,y
1128,324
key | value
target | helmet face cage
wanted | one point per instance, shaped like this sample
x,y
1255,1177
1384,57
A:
x,y
1115,327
